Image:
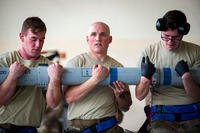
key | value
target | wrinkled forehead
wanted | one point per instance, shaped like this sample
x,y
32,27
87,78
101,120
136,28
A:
x,y
99,28
31,34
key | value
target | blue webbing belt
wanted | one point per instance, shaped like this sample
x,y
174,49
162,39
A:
x,y
176,108
176,112
102,126
176,117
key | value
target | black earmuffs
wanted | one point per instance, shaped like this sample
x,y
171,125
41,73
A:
x,y
183,28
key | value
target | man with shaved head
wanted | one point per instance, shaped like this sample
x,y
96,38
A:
x,y
94,108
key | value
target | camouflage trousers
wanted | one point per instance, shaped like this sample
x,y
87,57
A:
x,y
159,126
115,129
76,126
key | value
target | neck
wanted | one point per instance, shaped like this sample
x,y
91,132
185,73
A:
x,y
97,56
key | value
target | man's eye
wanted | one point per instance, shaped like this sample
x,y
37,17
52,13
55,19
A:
x,y
41,40
103,34
93,34
34,40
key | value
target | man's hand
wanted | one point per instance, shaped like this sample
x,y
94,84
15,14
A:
x,y
147,68
99,72
118,88
16,70
122,94
55,71
181,67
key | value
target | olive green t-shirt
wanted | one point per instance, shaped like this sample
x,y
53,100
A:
x,y
100,102
27,105
161,57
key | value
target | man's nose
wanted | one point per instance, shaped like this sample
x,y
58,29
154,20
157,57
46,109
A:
x,y
38,43
97,37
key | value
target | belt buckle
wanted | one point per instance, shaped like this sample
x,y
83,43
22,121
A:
x,y
72,128
177,117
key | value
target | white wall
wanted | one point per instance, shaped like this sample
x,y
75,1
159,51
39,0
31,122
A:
x,y
132,24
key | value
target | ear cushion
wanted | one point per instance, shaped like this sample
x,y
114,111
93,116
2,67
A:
x,y
184,29
161,24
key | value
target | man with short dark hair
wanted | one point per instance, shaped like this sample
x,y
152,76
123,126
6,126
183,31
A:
x,y
173,109
22,107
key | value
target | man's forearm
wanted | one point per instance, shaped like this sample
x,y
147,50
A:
x,y
142,89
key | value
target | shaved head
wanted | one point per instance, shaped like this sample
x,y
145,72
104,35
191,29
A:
x,y
102,24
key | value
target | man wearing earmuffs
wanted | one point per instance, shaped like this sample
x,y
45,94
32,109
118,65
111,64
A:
x,y
171,109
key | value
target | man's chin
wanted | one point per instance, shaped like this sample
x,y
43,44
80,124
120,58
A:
x,y
35,55
171,48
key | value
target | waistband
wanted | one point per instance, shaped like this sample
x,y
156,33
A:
x,y
176,108
176,117
102,126
175,112
93,126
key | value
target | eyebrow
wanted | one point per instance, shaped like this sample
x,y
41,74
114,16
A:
x,y
98,33
33,37
171,36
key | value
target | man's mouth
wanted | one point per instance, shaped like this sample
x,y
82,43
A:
x,y
35,50
98,44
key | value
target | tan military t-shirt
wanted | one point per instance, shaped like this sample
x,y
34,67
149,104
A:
x,y
98,103
161,57
27,105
